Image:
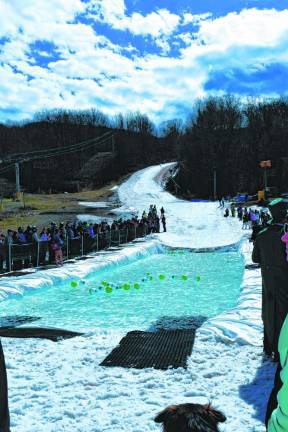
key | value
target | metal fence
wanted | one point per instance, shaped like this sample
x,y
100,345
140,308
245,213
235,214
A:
x,y
15,256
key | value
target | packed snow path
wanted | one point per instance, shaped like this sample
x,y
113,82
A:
x,y
189,224
59,387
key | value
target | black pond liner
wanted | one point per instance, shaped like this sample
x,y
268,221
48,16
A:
x,y
161,350
53,334
16,320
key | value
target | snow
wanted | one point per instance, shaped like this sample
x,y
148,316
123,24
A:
x,y
92,204
94,219
61,387
193,225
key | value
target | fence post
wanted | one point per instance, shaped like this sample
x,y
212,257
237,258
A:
x,y
97,242
119,237
135,232
126,235
10,257
67,247
38,251
82,245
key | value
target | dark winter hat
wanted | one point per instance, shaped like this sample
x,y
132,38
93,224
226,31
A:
x,y
278,208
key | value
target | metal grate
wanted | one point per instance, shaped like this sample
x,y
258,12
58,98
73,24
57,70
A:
x,y
161,350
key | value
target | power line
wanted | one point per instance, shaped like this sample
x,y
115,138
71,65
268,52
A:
x,y
41,153
62,152
7,168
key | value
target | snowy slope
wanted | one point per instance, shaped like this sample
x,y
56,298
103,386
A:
x,y
191,225
57,387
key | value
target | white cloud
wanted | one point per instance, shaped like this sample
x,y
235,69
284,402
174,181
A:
x,y
189,18
156,24
93,71
250,27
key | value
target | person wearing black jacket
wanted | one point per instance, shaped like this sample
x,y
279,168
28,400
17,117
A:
x,y
4,410
269,252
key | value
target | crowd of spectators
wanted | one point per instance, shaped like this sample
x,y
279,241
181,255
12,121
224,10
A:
x,y
54,237
250,217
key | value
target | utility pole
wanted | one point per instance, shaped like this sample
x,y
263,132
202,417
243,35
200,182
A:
x,y
265,178
17,175
214,183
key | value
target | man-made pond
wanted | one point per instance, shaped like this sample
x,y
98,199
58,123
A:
x,y
176,284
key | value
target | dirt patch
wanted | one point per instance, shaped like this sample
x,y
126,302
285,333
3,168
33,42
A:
x,y
41,209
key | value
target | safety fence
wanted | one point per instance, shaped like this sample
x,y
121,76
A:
x,y
18,256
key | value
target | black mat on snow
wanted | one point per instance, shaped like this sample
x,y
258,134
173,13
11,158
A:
x,y
161,350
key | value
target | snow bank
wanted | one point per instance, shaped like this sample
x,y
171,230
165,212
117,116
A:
x,y
94,204
78,270
242,324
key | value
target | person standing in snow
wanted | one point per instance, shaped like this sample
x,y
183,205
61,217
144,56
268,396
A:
x,y
4,410
269,252
163,220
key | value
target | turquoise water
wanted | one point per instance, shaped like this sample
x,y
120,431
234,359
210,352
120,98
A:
x,y
181,284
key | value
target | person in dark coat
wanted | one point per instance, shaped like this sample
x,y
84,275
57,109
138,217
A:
x,y
269,252
4,411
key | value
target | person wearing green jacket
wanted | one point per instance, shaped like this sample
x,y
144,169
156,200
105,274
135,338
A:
x,y
269,252
4,411
278,420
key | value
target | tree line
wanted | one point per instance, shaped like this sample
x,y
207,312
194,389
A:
x,y
136,144
226,139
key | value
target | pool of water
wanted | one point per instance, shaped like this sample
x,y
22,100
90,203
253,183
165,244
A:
x,y
177,284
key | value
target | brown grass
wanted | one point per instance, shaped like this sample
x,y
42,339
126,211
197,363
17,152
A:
x,y
14,214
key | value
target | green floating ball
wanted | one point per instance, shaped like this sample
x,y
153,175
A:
x,y
150,278
74,284
136,286
181,253
184,277
104,283
108,290
126,287
161,277
198,278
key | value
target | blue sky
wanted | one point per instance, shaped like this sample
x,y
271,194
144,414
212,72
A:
x,y
157,57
